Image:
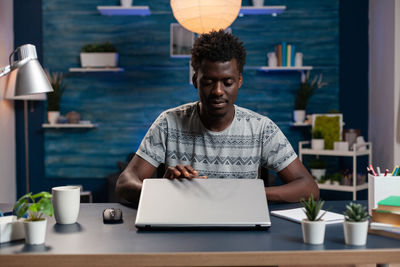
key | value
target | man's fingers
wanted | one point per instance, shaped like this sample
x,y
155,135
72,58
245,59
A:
x,y
192,171
172,172
180,171
184,171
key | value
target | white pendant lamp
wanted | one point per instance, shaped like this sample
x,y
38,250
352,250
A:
x,y
203,16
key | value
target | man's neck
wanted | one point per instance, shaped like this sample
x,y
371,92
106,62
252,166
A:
x,y
215,124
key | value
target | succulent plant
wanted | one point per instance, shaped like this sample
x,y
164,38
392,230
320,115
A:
x,y
312,208
355,213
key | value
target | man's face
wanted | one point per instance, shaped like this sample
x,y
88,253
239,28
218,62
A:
x,y
217,84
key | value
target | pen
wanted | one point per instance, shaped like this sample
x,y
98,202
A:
x,y
378,170
372,169
386,172
395,170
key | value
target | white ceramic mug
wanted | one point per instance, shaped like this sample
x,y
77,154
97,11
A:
x,y
66,201
298,59
272,60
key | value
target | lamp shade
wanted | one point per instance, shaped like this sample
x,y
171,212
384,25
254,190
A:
x,y
10,82
203,16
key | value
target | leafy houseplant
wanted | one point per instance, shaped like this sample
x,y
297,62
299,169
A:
x,y
99,55
35,224
54,98
306,90
330,128
355,225
313,227
317,141
318,168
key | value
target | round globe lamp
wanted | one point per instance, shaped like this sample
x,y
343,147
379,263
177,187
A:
x,y
203,16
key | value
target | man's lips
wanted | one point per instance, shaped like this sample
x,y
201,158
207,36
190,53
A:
x,y
218,103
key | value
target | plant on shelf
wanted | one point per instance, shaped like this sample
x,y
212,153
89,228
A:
x,y
355,225
313,226
56,80
330,128
318,168
335,178
304,93
99,55
317,141
37,206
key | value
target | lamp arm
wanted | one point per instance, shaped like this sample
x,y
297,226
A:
x,y
5,70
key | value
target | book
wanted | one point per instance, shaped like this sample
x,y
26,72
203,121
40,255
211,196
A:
x,y
284,54
293,55
297,215
391,203
278,52
385,216
288,55
384,229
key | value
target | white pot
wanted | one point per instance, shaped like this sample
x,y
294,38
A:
x,y
52,116
299,115
341,145
318,173
318,144
99,59
313,231
126,3
35,232
258,3
355,233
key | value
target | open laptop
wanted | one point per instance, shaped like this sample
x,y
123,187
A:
x,y
203,203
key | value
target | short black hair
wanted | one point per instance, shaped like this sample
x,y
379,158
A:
x,y
218,46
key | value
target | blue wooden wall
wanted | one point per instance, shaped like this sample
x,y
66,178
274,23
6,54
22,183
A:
x,y
125,104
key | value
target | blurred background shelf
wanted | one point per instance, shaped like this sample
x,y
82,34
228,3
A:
x,y
124,11
96,69
264,10
70,125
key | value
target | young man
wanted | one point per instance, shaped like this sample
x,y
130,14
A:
x,y
215,138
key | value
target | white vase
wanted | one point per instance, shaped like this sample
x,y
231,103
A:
x,y
35,232
258,3
52,116
318,173
299,116
355,233
126,3
313,231
318,144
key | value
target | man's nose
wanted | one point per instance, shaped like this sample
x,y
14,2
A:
x,y
218,89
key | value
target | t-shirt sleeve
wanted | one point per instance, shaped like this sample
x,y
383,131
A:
x,y
153,146
277,153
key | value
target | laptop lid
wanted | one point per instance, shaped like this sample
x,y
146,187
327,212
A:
x,y
166,203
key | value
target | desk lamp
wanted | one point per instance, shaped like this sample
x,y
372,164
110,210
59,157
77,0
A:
x,y
27,81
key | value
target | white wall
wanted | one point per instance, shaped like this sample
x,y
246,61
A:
x,y
384,75
7,117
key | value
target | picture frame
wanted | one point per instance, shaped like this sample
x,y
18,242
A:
x,y
181,41
331,126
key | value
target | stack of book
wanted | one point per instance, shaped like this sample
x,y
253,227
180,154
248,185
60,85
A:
x,y
285,54
386,218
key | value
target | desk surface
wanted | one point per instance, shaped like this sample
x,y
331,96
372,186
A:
x,y
122,244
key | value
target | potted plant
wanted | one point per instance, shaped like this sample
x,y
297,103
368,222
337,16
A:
x,y
318,168
305,91
336,178
313,226
355,224
35,224
54,98
99,55
317,141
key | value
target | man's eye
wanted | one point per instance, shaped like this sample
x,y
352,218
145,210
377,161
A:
x,y
228,83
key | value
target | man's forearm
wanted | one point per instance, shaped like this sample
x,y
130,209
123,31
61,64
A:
x,y
293,191
129,189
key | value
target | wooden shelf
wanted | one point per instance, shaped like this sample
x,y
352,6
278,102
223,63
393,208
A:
x,y
264,10
124,11
70,125
302,68
345,188
96,69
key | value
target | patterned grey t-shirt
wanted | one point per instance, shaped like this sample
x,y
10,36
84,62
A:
x,y
179,137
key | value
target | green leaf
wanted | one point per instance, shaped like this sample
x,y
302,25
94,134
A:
x,y
46,206
21,210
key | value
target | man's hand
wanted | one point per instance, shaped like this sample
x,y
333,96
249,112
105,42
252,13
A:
x,y
180,171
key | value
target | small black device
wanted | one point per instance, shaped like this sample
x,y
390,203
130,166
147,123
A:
x,y
112,215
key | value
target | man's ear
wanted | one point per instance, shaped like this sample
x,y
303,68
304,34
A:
x,y
194,80
240,80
